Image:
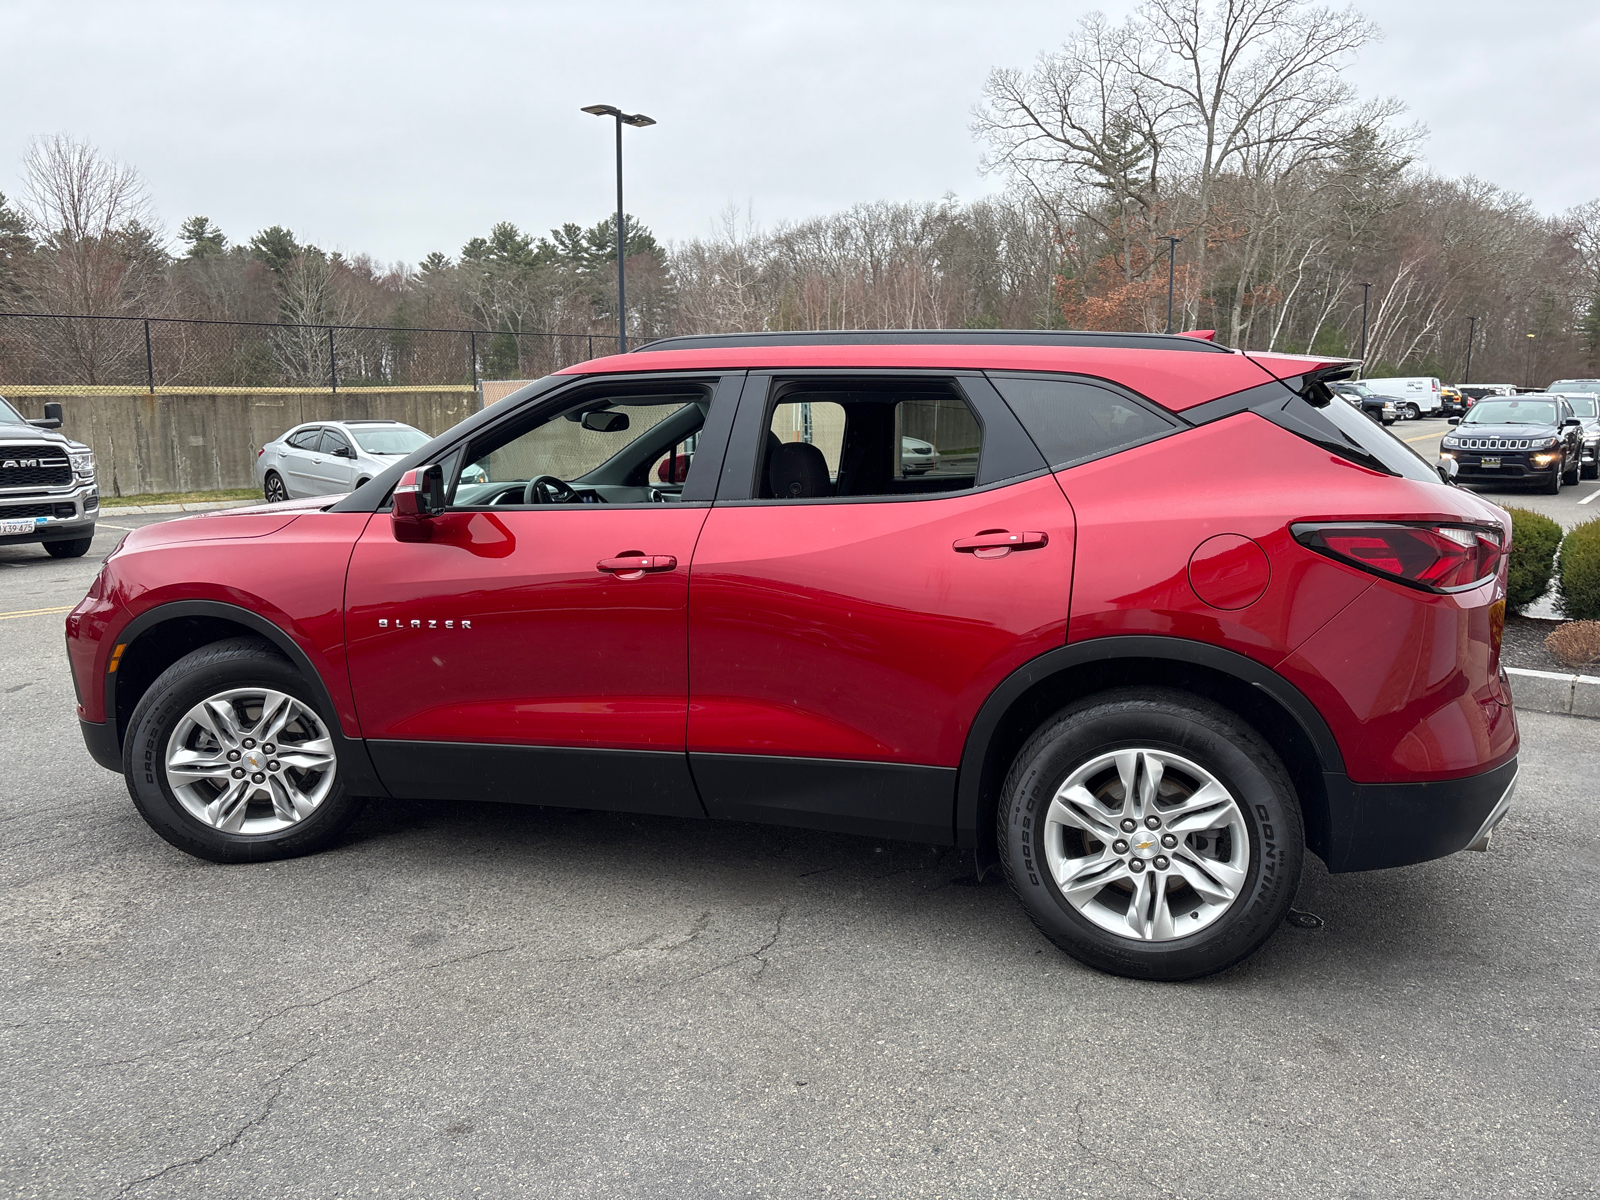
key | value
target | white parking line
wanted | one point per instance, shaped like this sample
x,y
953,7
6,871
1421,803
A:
x,y
1590,497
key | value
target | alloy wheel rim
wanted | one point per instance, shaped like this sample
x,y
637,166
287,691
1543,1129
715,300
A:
x,y
1146,844
276,491
250,761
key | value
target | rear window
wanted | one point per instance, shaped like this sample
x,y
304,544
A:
x,y
1379,443
1071,421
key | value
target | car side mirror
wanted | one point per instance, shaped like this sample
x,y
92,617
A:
x,y
604,421
343,452
1449,468
1453,421
51,419
418,498
1571,421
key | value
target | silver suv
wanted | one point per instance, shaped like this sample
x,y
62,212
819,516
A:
x,y
47,484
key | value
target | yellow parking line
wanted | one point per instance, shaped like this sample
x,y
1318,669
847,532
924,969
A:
x,y
35,612
1422,437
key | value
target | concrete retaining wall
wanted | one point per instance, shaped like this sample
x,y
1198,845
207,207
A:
x,y
202,441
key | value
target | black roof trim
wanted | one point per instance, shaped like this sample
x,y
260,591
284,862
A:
x,y
938,337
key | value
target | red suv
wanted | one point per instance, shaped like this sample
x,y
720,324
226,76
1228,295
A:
x,y
1158,617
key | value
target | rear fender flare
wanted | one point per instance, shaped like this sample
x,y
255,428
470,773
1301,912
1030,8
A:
x,y
976,786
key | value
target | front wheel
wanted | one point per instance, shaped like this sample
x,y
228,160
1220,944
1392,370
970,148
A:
x,y
72,548
1571,477
229,758
1553,486
1152,834
1413,413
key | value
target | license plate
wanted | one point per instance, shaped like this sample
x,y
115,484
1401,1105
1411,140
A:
x,y
1490,463
13,528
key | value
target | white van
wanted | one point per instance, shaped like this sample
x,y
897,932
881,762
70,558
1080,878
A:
x,y
1415,395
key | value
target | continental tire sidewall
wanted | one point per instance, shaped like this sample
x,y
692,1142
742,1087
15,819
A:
x,y
235,664
1207,736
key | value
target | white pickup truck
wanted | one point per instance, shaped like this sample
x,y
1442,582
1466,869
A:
x,y
1413,395
47,485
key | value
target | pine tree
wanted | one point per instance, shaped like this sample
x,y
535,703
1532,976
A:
x,y
203,238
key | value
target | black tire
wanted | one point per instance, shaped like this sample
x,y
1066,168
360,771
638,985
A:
x,y
72,548
1572,477
234,663
1590,472
1212,738
274,488
1553,487
1413,413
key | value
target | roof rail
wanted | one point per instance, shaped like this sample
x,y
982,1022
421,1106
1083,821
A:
x,y
938,337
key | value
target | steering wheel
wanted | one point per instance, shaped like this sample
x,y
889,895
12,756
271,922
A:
x,y
547,489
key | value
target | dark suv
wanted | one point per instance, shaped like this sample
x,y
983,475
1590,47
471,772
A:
x,y
1159,617
1535,439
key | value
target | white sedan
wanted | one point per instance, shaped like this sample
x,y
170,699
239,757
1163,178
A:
x,y
327,458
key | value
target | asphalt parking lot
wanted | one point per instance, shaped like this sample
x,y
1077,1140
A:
x,y
469,1000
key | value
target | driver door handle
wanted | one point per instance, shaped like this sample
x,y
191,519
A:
x,y
637,564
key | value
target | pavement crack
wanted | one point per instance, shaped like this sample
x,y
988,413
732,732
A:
x,y
277,1084
758,954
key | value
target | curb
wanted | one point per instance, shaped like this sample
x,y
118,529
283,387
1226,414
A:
x,y
140,510
1552,692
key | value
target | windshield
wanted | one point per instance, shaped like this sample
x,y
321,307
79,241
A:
x,y
1569,386
1585,406
9,415
1512,412
393,440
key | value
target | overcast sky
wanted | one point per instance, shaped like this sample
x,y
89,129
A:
x,y
404,127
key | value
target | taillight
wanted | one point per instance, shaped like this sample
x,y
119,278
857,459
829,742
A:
x,y
261,451
1435,558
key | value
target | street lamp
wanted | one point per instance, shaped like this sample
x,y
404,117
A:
x,y
1172,258
1365,288
1527,363
638,121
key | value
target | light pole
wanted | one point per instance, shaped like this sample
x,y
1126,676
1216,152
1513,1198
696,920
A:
x,y
1527,364
1172,258
1472,325
1365,288
638,121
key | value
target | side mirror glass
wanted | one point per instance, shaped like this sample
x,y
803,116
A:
x,y
604,421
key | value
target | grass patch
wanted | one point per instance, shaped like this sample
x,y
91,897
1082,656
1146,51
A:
x,y
181,497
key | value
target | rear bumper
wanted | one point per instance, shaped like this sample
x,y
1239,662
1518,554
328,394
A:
x,y
1375,825
101,739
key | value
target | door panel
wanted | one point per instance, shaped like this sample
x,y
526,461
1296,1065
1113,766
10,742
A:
x,y
859,631
501,629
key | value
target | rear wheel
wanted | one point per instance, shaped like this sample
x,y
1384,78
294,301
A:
x,y
72,548
275,492
1151,834
229,758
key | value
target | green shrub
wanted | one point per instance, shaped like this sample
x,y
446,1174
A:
x,y
1534,539
1579,582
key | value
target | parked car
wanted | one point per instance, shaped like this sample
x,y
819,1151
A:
x,y
1379,408
327,458
917,457
1184,617
1586,407
48,492
1471,393
1451,402
1414,395
1517,440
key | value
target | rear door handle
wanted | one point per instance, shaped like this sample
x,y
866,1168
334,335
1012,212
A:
x,y
631,566
997,543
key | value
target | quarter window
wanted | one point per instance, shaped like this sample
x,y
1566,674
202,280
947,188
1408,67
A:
x,y
1071,421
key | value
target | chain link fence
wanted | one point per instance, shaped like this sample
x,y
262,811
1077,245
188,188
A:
x,y
150,353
